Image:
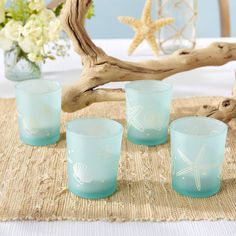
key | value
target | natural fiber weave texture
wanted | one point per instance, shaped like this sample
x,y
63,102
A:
x,y
33,180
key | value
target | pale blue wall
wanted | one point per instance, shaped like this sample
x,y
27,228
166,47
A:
x,y
106,25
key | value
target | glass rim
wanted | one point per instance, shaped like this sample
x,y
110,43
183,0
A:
x,y
222,130
168,86
114,134
57,88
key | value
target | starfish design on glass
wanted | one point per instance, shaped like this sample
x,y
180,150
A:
x,y
145,28
132,113
195,167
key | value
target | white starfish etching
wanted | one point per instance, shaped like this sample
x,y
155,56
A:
x,y
132,113
195,167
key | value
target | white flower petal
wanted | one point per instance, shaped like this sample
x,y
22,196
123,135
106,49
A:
x,y
36,5
27,45
54,30
13,30
5,43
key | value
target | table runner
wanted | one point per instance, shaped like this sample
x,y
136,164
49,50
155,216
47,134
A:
x,y
33,180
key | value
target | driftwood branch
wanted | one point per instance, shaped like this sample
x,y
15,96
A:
x,y
99,68
224,111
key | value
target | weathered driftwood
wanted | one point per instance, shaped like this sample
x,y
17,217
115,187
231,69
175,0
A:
x,y
225,111
99,68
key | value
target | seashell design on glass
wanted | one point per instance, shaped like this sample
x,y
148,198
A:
x,y
42,125
29,125
82,174
93,151
38,106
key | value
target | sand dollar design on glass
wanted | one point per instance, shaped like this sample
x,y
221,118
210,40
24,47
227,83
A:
x,y
195,167
82,174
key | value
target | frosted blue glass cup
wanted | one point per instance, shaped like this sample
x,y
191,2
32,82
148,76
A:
x,y
38,104
93,151
197,154
148,105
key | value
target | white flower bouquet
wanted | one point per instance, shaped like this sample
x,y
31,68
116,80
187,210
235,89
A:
x,y
26,28
29,24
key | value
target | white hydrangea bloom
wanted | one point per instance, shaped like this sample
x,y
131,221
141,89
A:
x,y
40,28
27,45
13,30
36,5
5,43
33,28
46,16
54,30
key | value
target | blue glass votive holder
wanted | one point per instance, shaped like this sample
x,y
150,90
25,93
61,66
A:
x,y
148,105
38,105
197,154
93,150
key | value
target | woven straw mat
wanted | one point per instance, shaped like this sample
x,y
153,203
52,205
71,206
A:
x,y
33,180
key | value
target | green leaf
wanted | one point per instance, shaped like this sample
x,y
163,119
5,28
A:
x,y
58,9
19,10
51,57
90,12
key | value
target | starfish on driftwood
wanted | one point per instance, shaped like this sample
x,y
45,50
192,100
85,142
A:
x,y
145,28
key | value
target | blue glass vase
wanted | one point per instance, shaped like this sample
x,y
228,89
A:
x,y
197,154
93,150
148,105
18,67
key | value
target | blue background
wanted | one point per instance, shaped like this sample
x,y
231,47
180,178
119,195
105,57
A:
x,y
106,25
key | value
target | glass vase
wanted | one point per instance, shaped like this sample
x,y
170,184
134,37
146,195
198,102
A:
x,y
38,104
18,67
197,153
93,147
148,105
182,33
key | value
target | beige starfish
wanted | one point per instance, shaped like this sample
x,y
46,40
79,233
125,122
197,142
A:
x,y
145,28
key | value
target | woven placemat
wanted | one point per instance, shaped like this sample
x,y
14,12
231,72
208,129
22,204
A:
x,y
33,180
